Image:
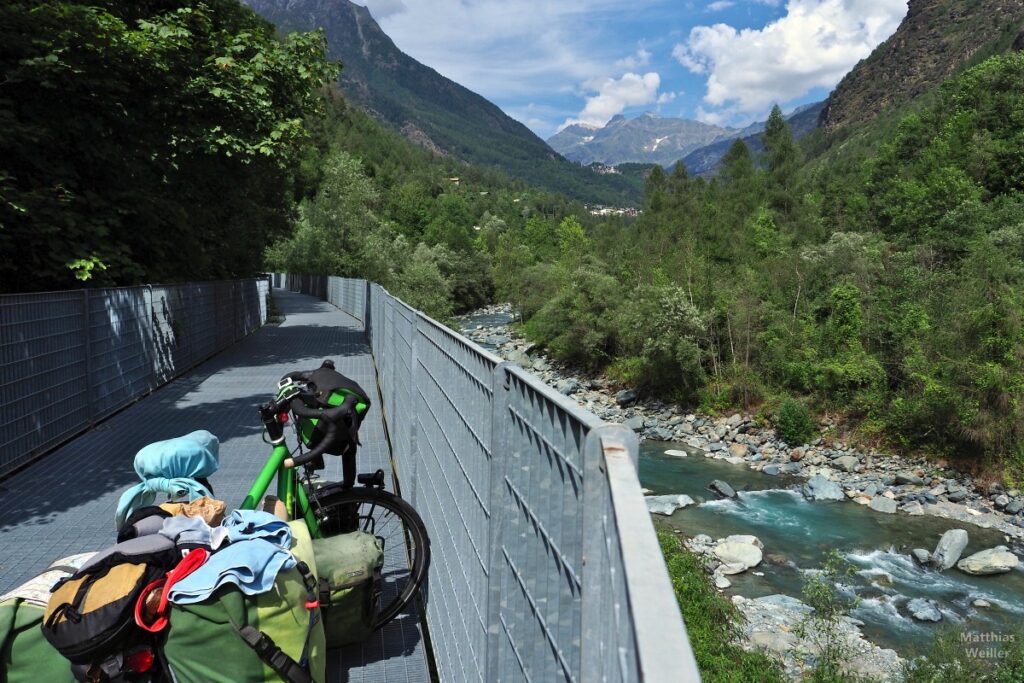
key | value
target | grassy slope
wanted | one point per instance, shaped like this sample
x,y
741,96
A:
x,y
711,621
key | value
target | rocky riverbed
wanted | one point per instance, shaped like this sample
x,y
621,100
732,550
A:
x,y
887,483
887,487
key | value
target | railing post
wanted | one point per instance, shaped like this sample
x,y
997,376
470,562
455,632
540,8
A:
x,y
501,456
86,336
410,459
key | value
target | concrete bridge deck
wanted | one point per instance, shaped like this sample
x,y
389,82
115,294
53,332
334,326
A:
x,y
65,502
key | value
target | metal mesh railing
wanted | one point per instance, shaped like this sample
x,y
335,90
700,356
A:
x,y
545,563
68,359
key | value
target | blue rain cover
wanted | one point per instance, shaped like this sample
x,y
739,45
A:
x,y
171,467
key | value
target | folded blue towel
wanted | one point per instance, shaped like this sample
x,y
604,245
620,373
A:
x,y
244,524
171,467
252,565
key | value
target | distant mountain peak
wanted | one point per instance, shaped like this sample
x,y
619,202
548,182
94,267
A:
x,y
647,139
582,126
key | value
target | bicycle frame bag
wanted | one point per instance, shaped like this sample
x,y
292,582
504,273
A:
x,y
349,568
91,614
25,655
234,638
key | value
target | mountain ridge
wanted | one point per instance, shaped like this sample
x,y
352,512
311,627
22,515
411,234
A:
x,y
432,110
649,139
935,40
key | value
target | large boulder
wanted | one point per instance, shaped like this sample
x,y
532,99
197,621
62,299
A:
x,y
519,358
994,561
744,538
847,463
956,495
567,387
883,504
949,549
636,423
738,450
924,609
778,642
660,434
733,553
820,488
722,488
625,397
666,505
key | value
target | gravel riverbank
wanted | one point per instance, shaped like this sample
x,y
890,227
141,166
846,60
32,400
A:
x,y
915,486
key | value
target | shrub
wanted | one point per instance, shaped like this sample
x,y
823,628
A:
x,y
794,424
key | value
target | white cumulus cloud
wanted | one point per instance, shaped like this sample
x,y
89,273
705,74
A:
x,y
615,94
638,59
813,45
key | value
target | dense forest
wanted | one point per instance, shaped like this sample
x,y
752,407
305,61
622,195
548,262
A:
x,y
177,140
886,286
148,141
423,225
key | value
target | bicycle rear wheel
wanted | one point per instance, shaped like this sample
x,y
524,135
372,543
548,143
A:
x,y
396,523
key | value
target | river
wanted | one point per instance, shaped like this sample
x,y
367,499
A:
x,y
798,533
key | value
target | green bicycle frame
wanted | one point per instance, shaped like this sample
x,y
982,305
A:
x,y
288,491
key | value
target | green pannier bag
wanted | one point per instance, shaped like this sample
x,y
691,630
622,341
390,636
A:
x,y
237,638
25,655
349,570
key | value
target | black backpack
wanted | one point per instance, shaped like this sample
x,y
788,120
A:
x,y
90,618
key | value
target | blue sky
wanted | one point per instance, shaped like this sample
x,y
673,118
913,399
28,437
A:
x,y
549,63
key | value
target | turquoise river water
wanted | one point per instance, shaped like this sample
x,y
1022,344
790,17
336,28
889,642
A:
x,y
797,534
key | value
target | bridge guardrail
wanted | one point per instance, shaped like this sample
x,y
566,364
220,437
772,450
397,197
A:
x,y
545,562
69,359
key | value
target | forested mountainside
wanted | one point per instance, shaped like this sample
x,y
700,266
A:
x,y
889,289
433,111
424,226
936,39
706,160
160,143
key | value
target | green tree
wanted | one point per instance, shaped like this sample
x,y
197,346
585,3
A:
x,y
331,226
822,627
781,161
160,138
573,242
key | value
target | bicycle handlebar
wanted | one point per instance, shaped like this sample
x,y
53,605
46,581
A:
x,y
332,419
303,404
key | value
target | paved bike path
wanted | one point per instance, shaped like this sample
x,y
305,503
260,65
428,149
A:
x,y
65,503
